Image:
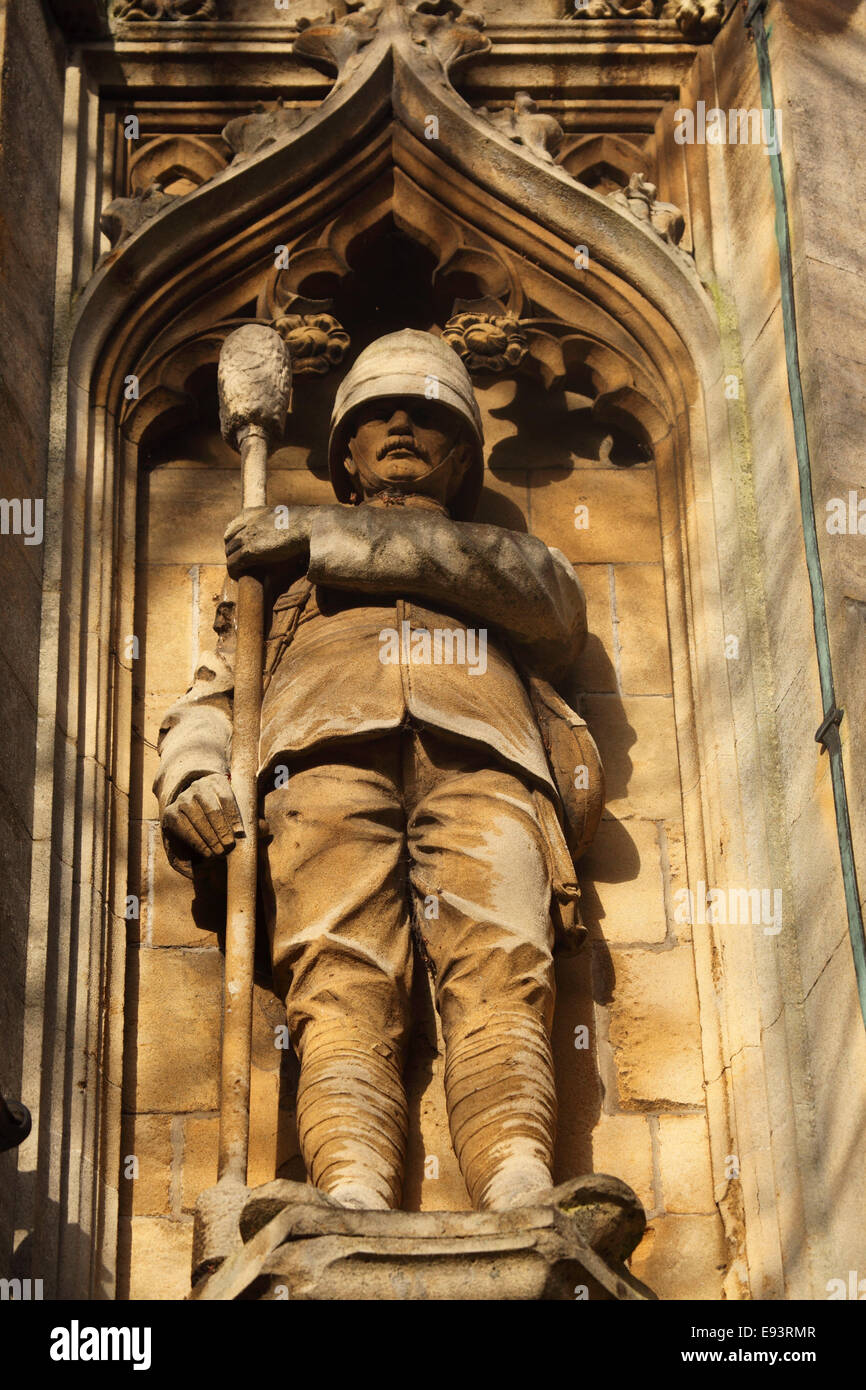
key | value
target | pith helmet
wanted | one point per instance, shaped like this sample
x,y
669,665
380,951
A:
x,y
406,364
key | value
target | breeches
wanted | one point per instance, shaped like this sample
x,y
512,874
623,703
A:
x,y
364,835
368,838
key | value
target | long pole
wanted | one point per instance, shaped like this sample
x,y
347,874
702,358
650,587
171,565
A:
x,y
242,864
255,379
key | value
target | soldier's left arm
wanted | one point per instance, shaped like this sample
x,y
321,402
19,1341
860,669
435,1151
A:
x,y
195,742
512,581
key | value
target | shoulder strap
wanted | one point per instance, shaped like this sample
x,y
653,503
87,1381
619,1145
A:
x,y
287,614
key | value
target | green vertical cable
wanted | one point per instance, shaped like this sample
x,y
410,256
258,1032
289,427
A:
x,y
828,733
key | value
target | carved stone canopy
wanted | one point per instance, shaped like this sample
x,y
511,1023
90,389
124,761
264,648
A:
x,y
392,146
431,39
448,274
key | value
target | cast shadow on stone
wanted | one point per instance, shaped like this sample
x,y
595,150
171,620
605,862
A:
x,y
551,428
496,510
129,1093
76,1244
828,18
422,1054
620,862
575,1041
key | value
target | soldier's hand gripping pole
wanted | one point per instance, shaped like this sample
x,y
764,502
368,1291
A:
x,y
255,379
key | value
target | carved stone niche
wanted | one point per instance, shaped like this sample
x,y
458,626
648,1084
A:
x,y
556,397
588,377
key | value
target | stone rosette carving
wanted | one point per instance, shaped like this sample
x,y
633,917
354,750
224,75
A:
x,y
265,125
150,11
639,200
316,342
698,20
526,125
123,216
487,342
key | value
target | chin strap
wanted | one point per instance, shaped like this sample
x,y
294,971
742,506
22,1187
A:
x,y
392,494
413,500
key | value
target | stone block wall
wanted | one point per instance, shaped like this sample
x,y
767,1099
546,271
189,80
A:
x,y
816,49
31,107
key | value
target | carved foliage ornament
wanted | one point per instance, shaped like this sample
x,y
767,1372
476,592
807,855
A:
x,y
446,32
446,35
699,20
639,201
316,342
440,28
526,125
123,216
138,11
490,340
333,41
265,125
542,134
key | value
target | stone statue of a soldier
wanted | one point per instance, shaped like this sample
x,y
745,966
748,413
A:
x,y
411,769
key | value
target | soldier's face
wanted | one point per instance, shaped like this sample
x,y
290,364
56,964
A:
x,y
402,442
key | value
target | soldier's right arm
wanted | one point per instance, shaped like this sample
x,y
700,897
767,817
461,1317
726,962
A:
x,y
198,812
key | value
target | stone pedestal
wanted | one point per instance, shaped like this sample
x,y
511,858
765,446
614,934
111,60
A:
x,y
287,1240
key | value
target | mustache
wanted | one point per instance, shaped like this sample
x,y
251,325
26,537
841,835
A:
x,y
402,441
